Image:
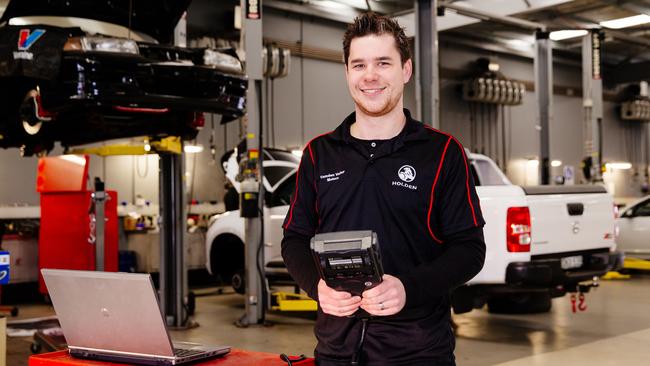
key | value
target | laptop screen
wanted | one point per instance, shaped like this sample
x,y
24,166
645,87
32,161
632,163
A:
x,y
108,311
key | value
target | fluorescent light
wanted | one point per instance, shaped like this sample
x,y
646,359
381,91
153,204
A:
x,y
519,44
556,163
79,160
193,149
624,165
626,22
332,5
566,34
533,162
297,152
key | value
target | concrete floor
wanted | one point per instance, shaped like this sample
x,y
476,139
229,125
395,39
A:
x,y
614,330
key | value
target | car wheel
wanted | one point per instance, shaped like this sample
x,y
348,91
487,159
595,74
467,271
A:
x,y
31,112
238,281
520,303
227,259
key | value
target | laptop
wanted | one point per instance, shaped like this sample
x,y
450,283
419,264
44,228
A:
x,y
115,317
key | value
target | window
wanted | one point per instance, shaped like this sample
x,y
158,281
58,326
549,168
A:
x,y
643,209
285,156
488,175
282,195
274,174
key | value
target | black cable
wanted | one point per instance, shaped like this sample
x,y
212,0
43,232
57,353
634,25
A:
x,y
646,138
290,361
272,116
483,128
302,86
490,130
260,140
357,353
267,108
472,127
495,133
503,139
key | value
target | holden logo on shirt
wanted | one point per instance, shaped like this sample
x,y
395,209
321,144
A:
x,y
407,174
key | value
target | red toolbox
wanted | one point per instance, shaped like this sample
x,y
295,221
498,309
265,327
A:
x,y
65,238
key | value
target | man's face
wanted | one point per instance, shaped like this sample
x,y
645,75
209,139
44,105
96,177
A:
x,y
375,74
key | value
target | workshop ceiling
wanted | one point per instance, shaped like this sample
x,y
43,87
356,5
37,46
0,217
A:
x,y
625,50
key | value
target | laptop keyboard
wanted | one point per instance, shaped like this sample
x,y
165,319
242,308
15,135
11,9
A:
x,y
183,352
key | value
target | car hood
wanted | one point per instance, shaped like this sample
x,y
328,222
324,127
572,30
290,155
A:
x,y
156,18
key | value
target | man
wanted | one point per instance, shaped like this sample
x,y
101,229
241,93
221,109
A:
x,y
381,170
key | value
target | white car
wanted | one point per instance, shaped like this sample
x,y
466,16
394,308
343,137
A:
x,y
634,229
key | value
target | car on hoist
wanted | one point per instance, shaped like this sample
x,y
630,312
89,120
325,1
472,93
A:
x,y
84,71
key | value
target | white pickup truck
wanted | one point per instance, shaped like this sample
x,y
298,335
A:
x,y
541,241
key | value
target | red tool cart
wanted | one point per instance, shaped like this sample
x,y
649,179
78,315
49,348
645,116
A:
x,y
68,232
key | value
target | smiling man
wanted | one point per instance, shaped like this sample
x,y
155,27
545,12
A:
x,y
407,182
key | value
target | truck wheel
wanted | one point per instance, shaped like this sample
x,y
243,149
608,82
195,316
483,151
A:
x,y
238,281
520,303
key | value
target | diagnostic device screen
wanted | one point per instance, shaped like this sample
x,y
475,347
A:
x,y
343,245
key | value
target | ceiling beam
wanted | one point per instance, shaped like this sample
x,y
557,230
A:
x,y
493,17
314,10
632,6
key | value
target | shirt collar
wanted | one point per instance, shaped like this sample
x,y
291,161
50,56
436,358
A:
x,y
413,130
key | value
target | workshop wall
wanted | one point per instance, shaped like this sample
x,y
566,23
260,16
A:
x,y
522,136
17,178
326,101
313,99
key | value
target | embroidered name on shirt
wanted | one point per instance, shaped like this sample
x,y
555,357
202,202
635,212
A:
x,y
332,176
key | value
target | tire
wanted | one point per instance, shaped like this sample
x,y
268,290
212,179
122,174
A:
x,y
227,261
520,303
29,115
238,281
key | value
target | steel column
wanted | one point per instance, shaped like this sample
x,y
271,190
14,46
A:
x,y
592,98
543,64
173,279
252,41
173,226
426,73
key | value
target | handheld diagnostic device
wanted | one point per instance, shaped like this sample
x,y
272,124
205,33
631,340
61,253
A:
x,y
348,260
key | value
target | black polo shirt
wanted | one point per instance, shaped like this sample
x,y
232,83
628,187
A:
x,y
415,191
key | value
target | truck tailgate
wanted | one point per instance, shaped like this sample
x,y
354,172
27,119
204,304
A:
x,y
570,218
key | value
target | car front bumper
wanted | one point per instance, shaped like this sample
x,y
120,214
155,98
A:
x,y
125,80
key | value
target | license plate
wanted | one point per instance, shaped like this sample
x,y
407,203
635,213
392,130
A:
x,y
571,262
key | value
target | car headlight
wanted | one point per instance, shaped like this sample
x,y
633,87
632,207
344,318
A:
x,y
221,61
101,44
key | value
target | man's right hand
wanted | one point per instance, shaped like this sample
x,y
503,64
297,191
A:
x,y
337,303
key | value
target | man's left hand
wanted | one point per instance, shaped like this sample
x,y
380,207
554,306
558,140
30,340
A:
x,y
387,298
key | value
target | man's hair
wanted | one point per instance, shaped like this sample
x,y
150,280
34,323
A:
x,y
374,24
